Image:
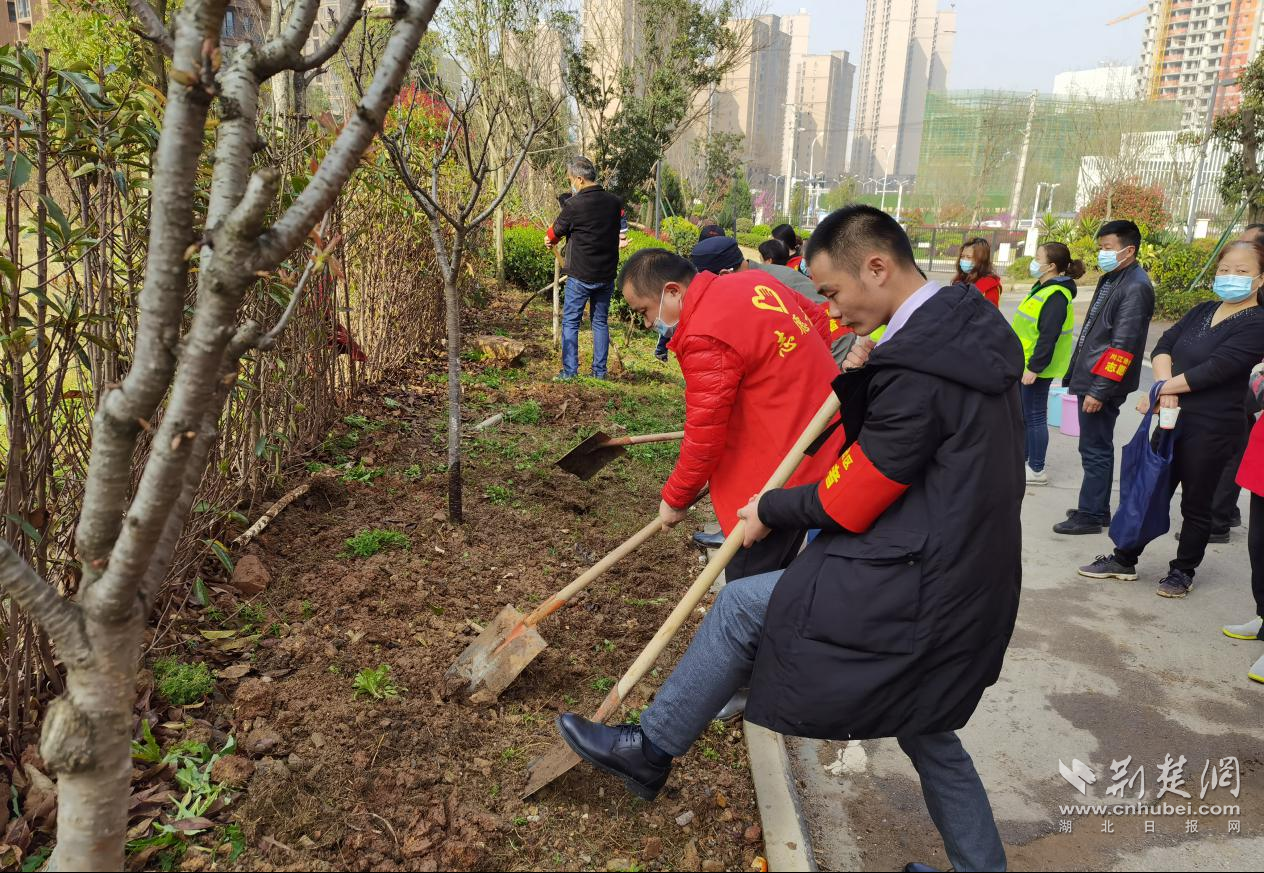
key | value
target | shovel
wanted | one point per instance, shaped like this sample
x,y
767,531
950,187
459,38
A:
x,y
600,449
506,646
559,759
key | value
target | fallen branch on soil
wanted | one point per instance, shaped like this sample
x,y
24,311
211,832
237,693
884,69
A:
x,y
273,511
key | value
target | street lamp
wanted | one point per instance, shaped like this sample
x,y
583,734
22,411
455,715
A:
x,y
776,186
1051,190
1035,205
899,203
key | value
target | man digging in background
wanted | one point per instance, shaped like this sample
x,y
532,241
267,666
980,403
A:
x,y
894,621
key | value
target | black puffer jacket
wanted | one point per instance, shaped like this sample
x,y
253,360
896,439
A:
x,y
895,619
1119,320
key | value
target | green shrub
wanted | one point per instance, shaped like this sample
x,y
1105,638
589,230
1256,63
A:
x,y
528,264
1020,269
368,543
762,231
1173,270
750,240
681,233
637,240
182,684
744,225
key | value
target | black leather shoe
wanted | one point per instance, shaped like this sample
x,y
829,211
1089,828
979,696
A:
x,y
915,867
618,750
1078,525
709,540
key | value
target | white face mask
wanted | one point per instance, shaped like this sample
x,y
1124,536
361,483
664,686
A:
x,y
664,329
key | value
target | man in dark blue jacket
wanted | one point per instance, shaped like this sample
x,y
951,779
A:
x,y
1106,367
894,621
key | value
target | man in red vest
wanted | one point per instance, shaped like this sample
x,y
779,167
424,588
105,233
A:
x,y
757,367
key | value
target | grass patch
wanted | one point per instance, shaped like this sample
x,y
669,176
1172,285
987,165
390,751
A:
x,y
368,543
362,474
525,413
181,684
375,683
498,494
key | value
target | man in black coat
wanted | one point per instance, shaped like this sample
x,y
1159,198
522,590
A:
x,y
1106,367
897,617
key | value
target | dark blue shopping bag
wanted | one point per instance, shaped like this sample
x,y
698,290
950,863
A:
x,y
1145,485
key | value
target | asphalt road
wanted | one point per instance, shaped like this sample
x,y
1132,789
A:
x,y
1096,672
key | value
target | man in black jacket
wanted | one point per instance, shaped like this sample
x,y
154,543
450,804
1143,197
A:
x,y
591,218
1106,367
897,617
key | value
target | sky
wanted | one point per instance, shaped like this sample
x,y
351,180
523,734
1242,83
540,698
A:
x,y
1015,45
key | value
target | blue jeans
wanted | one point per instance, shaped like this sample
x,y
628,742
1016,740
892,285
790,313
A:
x,y
719,661
1097,456
1035,399
578,294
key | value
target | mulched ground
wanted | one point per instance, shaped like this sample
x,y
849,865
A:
x,y
420,782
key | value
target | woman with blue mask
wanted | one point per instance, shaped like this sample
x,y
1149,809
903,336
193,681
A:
x,y
1203,361
974,267
1044,324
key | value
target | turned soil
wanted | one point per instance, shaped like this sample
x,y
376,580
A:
x,y
421,781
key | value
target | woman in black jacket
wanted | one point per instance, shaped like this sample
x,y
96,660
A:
x,y
1202,361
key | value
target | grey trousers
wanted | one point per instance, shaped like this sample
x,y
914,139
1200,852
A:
x,y
718,663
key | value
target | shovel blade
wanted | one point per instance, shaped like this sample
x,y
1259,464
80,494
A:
x,y
552,765
590,456
496,657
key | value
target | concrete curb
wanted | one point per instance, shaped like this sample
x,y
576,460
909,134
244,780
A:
x,y
785,832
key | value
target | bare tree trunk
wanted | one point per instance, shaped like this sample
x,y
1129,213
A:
x,y
452,305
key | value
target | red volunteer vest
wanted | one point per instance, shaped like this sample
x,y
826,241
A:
x,y
788,371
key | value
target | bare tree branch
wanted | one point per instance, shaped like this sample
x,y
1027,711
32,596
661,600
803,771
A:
x,y
283,51
152,26
123,412
60,619
319,195
336,39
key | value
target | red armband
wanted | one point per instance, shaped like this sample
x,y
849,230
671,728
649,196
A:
x,y
854,492
551,235
1113,364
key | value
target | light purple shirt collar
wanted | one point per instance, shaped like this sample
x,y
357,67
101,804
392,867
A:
x,y
908,307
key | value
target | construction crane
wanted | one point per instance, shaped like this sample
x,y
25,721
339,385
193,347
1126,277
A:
x,y
1132,14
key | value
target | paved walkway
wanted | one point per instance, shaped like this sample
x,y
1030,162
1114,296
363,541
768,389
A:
x,y
1097,671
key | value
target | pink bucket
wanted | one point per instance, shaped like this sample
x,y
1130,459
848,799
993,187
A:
x,y
1070,415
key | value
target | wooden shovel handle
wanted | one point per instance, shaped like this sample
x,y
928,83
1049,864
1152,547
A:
x,y
627,547
714,567
643,438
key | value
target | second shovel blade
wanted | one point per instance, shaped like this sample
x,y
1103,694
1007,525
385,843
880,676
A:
x,y
496,657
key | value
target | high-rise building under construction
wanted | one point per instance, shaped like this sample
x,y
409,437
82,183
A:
x,y
1190,45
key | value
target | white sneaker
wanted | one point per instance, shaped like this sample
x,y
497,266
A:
x,y
1257,670
1034,478
1248,631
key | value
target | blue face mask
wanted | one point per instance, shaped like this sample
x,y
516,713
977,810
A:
x,y
966,265
1036,268
664,329
1233,289
1107,260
